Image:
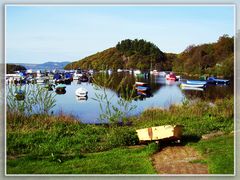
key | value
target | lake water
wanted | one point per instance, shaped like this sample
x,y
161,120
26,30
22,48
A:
x,y
163,94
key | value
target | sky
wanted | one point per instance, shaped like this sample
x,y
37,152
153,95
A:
x,y
38,34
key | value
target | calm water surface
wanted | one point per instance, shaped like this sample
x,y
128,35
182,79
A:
x,y
164,94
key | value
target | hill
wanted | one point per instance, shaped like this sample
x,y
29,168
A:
x,y
135,54
213,58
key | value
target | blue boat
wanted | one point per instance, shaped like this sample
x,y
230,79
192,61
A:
x,y
142,88
213,80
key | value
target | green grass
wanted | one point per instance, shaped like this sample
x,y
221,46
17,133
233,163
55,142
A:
x,y
43,135
115,161
197,118
219,154
60,144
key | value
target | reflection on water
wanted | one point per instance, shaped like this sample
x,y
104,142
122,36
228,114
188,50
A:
x,y
163,94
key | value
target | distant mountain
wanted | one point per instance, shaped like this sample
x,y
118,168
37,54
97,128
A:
x,y
47,65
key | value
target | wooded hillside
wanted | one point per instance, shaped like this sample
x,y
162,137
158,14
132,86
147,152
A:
x,y
135,54
12,67
212,58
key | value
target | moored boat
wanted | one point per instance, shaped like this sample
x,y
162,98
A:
x,y
196,82
192,85
60,89
40,80
81,92
142,88
162,73
135,72
171,76
77,74
119,70
213,80
83,78
154,72
82,98
192,88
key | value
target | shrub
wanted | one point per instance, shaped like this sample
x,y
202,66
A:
x,y
38,100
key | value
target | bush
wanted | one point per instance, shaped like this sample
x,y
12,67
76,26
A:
x,y
37,99
122,136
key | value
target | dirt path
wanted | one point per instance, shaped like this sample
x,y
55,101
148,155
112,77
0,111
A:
x,y
178,160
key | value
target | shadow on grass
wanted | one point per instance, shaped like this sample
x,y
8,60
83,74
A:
x,y
163,143
189,139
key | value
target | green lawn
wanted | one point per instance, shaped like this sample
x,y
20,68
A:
x,y
115,161
219,153
43,144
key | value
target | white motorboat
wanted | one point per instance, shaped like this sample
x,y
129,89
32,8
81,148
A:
x,y
76,76
192,88
81,92
154,72
40,80
192,85
136,72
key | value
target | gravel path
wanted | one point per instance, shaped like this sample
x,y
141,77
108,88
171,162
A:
x,y
179,160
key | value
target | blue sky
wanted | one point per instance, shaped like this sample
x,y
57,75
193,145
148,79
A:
x,y
37,34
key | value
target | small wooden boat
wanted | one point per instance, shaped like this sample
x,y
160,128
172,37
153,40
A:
x,y
167,132
81,92
192,85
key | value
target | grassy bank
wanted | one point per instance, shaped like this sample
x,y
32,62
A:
x,y
197,117
61,144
